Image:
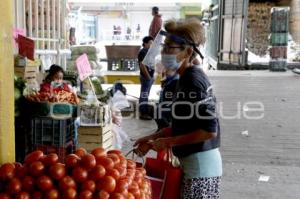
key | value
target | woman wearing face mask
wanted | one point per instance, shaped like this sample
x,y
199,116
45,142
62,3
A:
x,y
54,81
194,134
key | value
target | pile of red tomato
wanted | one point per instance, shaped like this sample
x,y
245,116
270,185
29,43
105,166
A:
x,y
95,175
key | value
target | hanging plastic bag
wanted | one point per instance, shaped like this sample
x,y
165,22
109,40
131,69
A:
x,y
119,136
119,100
116,116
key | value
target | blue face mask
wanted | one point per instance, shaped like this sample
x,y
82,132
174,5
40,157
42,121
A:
x,y
56,84
170,62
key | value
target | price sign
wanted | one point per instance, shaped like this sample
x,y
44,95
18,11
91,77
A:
x,y
83,67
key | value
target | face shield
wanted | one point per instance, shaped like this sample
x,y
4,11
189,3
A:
x,y
159,46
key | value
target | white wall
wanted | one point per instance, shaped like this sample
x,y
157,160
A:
x,y
105,24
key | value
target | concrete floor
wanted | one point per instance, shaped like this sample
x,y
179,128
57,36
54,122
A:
x,y
272,146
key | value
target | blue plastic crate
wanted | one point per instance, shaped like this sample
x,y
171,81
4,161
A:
x,y
278,65
280,19
49,131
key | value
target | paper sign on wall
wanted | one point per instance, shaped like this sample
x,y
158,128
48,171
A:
x,y
26,47
83,67
16,33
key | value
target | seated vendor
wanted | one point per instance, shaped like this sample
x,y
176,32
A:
x,y
54,81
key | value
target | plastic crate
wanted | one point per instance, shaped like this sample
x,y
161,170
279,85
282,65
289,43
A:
x,y
61,151
278,65
49,131
130,65
114,65
278,52
280,26
279,39
280,19
47,109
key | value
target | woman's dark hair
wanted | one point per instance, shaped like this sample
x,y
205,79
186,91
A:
x,y
54,69
146,40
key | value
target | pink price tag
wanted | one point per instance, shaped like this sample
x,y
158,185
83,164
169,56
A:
x,y
83,67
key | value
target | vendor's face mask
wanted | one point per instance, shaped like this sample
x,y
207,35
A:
x,y
57,80
56,83
170,61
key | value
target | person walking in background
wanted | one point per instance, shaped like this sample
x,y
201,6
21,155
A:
x,y
138,28
138,32
156,22
119,32
146,78
128,33
115,32
72,38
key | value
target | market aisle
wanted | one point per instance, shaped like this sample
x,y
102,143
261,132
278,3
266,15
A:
x,y
272,145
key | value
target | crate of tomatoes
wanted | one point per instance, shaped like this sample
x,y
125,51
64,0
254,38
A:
x,y
97,175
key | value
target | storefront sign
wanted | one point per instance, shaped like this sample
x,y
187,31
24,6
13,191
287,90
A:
x,y
83,67
26,47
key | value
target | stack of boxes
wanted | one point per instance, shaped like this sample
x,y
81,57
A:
x,y
279,38
258,28
26,68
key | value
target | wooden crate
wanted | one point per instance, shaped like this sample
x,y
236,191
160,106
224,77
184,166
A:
x,y
26,72
90,146
95,116
92,137
26,68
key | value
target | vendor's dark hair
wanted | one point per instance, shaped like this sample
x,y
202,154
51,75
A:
x,y
52,71
146,40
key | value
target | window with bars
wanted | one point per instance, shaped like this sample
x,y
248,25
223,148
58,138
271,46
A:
x,y
46,23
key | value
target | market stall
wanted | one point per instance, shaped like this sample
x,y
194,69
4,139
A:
x,y
99,174
69,140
